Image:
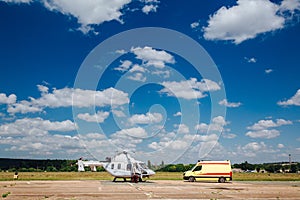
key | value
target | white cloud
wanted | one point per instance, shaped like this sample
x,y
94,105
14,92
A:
x,y
153,57
189,89
182,128
17,1
261,129
67,97
155,145
224,102
118,113
244,21
121,51
195,25
137,68
268,71
7,99
208,85
177,145
202,127
281,122
90,12
137,77
251,60
124,66
290,5
149,118
150,57
170,145
280,146
95,136
163,73
87,29
295,100
266,133
35,126
254,146
265,124
149,8
43,89
128,138
150,1
228,135
23,107
177,114
44,145
168,141
205,138
217,124
98,117
136,132
257,150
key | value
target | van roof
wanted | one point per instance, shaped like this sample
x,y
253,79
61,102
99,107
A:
x,y
214,162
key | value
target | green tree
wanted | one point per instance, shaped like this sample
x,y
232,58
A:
x,y
294,168
247,166
180,168
51,169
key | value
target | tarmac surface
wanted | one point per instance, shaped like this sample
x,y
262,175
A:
x,y
162,189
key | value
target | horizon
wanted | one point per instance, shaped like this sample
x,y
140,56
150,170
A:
x,y
168,81
165,164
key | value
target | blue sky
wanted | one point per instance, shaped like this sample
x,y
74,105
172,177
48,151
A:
x,y
208,80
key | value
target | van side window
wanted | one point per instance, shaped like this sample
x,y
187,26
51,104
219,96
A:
x,y
198,168
112,166
119,166
128,167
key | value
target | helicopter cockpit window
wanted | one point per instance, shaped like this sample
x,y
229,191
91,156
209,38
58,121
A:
x,y
143,165
119,166
128,167
112,166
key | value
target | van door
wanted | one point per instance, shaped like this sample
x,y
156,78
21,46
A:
x,y
197,170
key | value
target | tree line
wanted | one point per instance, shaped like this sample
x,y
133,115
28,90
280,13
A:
x,y
28,165
269,167
245,166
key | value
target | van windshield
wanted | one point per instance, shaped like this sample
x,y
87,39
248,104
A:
x,y
197,168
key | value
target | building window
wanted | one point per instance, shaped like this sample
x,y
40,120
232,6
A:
x,y
112,166
119,166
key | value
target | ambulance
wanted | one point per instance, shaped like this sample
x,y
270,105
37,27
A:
x,y
210,171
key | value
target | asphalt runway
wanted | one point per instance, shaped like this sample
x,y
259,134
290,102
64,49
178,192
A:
x,y
161,189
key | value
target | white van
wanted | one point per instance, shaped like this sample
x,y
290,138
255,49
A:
x,y
210,171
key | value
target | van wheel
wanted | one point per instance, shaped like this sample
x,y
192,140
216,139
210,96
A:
x,y
191,179
222,180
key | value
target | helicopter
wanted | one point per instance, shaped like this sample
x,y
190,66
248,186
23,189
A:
x,y
122,165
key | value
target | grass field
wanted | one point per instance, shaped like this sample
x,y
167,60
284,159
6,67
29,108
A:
x,y
5,176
